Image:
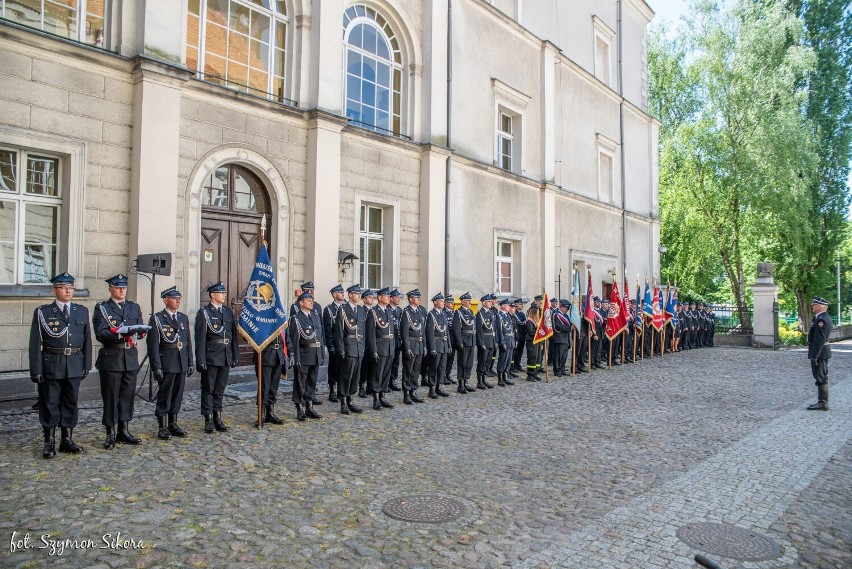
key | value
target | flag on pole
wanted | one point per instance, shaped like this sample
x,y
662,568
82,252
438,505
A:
x,y
669,310
647,307
263,317
574,314
589,312
616,320
673,302
544,330
657,319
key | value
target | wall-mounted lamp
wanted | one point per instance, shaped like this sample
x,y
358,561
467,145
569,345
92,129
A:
x,y
345,260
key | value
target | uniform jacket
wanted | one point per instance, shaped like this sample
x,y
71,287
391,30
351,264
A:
x,y
273,353
464,328
411,331
520,326
50,330
216,337
381,331
530,328
437,332
818,335
561,328
306,341
117,353
169,342
350,331
487,334
506,322
328,315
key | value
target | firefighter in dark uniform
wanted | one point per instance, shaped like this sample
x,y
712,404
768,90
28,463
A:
x,y
317,309
305,336
411,331
712,316
381,345
170,351
334,362
349,336
464,339
216,352
534,351
561,339
819,351
272,360
506,348
520,320
424,361
553,309
60,358
395,299
118,360
437,345
487,339
368,297
449,302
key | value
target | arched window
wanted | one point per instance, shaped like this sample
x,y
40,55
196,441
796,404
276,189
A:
x,y
373,81
234,188
239,44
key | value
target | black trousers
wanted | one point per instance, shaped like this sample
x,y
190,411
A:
x,y
57,402
465,363
582,351
424,369
380,382
397,357
534,355
270,376
517,353
304,383
820,371
451,356
484,357
118,391
214,380
350,376
170,394
560,357
411,371
366,378
504,360
437,369
334,366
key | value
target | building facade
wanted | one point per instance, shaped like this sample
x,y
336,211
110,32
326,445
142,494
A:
x,y
466,144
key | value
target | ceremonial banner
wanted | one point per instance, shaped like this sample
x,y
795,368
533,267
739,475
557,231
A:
x,y
616,320
263,317
657,319
544,330
574,313
647,307
671,300
589,311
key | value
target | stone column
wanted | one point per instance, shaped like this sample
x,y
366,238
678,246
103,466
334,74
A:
x,y
765,293
322,240
433,186
548,240
154,169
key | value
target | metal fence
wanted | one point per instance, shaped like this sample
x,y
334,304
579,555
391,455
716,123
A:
x,y
733,320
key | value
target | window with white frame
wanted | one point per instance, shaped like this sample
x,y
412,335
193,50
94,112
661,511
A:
x,y
30,204
509,105
505,264
373,74
504,140
606,169
603,53
78,20
239,44
371,246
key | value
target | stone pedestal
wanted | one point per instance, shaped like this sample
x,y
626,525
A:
x,y
765,294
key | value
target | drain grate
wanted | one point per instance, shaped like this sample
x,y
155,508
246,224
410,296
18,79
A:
x,y
728,540
424,508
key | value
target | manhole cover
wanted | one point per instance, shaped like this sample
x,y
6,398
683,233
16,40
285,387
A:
x,y
728,541
424,509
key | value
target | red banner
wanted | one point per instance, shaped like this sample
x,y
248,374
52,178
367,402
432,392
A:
x,y
657,319
545,323
589,310
616,320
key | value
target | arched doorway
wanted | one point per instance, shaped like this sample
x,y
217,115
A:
x,y
233,204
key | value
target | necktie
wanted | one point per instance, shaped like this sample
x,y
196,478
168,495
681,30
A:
x,y
65,311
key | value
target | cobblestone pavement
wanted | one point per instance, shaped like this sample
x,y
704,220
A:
x,y
596,470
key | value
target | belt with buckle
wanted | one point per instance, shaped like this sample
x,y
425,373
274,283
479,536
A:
x,y
175,346
224,341
275,346
63,351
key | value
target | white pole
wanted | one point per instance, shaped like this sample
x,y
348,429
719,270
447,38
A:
x,y
838,288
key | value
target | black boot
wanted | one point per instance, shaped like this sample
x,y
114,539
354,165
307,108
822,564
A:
x,y
67,443
461,388
394,387
500,381
309,411
362,393
217,422
530,376
376,405
174,428
49,443
271,417
208,424
507,380
109,443
479,379
469,386
352,407
432,394
486,384
332,393
384,402
163,431
512,374
822,403
300,412
124,435
406,398
416,398
440,392
344,409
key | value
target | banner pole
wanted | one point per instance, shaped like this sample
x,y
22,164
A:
x,y
574,353
546,373
259,390
663,343
590,349
609,365
653,333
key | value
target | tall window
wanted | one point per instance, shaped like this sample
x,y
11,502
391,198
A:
x,y
504,140
79,20
30,201
239,44
373,81
234,188
504,266
603,57
371,246
605,176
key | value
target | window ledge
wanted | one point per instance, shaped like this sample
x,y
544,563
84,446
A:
x,y
35,291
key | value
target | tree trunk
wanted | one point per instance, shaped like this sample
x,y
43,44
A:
x,y
803,303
